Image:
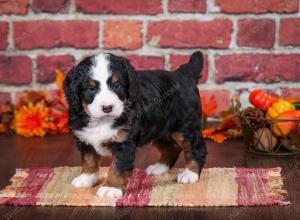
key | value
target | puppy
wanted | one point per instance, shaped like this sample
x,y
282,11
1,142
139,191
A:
x,y
114,109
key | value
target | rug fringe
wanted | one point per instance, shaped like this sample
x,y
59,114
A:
x,y
274,186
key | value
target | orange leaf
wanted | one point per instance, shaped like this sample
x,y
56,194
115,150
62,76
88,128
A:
x,y
2,128
218,137
208,131
59,79
229,127
209,107
57,122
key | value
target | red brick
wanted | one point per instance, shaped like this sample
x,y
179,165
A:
x,y
146,62
222,97
5,97
15,70
49,34
258,67
137,7
256,33
46,66
177,60
257,6
53,6
122,34
3,34
187,6
291,93
289,33
14,7
190,34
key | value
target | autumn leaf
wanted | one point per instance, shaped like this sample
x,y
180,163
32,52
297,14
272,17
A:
x,y
218,137
209,107
208,131
57,123
29,96
59,79
6,117
227,128
2,128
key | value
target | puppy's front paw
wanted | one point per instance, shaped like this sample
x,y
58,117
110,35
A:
x,y
157,169
187,176
85,180
111,192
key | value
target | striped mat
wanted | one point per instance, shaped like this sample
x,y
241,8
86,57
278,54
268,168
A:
x,y
216,187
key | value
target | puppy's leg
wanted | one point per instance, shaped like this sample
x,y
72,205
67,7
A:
x,y
89,174
195,152
169,154
119,171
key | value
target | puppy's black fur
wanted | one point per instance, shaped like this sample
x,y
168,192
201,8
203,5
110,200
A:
x,y
157,104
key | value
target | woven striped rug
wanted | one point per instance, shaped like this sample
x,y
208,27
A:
x,y
216,187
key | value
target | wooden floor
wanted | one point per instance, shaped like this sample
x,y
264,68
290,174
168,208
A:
x,y
58,150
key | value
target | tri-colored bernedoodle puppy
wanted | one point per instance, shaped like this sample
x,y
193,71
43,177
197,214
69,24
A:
x,y
114,109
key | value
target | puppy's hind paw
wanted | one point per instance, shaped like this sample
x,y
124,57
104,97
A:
x,y
85,180
157,169
110,192
187,176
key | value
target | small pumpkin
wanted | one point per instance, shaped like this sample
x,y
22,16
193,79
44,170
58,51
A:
x,y
262,100
290,122
279,107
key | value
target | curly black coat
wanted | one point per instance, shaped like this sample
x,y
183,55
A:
x,y
157,104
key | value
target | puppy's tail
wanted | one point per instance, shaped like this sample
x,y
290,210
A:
x,y
193,68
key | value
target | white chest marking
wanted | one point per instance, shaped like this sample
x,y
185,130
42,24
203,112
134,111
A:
x,y
96,133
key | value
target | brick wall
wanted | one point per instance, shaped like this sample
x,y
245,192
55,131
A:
x,y
247,44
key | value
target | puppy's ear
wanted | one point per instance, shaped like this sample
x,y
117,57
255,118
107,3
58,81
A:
x,y
71,89
132,78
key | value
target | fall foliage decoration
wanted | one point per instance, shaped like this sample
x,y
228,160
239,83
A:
x,y
261,99
272,125
30,120
6,117
37,113
209,106
228,123
252,117
228,128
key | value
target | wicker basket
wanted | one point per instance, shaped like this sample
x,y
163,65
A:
x,y
281,146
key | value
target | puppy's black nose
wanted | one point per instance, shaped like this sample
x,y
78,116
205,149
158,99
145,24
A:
x,y
107,108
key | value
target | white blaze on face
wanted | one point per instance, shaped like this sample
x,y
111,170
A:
x,y
105,97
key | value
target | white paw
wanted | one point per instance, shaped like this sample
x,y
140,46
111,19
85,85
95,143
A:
x,y
85,180
157,169
187,176
111,192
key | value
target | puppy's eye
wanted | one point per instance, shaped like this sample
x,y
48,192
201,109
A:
x,y
116,85
92,88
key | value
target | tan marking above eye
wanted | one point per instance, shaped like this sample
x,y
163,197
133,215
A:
x,y
114,78
93,83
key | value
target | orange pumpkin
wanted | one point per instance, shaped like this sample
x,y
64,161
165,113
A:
x,y
288,123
